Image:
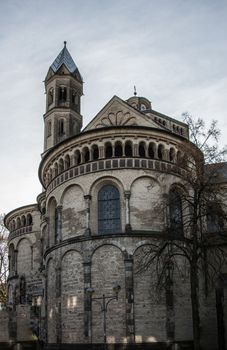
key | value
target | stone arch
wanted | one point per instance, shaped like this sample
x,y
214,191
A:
x,y
13,225
67,162
94,190
23,221
108,149
128,147
18,222
145,204
11,257
24,257
86,154
94,152
77,157
56,169
52,213
72,297
149,305
142,149
152,150
102,281
50,98
73,212
29,220
161,152
172,155
61,165
51,302
118,149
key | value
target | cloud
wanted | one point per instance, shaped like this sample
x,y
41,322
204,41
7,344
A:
x,y
174,52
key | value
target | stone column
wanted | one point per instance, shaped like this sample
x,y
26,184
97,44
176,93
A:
x,y
128,227
87,301
130,322
101,152
58,305
88,201
135,150
59,223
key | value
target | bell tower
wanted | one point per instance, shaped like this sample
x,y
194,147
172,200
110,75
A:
x,y
64,88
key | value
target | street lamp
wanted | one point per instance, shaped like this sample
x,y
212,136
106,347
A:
x,y
103,302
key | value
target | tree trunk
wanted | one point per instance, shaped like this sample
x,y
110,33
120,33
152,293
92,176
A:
x,y
195,304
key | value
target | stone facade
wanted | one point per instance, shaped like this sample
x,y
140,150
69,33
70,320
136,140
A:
x,y
100,208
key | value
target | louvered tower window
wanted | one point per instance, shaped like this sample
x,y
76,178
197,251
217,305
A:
x,y
109,210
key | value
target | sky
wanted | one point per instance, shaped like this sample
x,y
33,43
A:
x,y
174,51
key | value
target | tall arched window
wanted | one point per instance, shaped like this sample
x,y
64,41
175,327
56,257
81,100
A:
x,y
128,149
175,211
109,210
142,152
215,218
108,150
62,94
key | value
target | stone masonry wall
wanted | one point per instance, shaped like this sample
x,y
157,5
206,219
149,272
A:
x,y
108,268
72,298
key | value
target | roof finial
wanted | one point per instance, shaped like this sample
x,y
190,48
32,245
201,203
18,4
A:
x,y
135,93
65,42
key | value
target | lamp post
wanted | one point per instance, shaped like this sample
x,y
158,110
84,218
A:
x,y
103,302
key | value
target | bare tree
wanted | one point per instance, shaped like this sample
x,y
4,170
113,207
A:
x,y
196,232
3,261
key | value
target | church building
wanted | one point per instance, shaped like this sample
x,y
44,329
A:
x,y
78,277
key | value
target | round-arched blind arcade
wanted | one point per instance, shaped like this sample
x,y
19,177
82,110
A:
x,y
109,210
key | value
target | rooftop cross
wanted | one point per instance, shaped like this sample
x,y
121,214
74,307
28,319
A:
x,y
135,93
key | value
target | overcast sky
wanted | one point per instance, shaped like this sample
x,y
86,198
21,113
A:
x,y
174,51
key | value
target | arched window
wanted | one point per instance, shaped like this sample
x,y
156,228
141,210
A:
x,y
171,154
23,221
175,211
118,149
86,154
160,152
61,127
77,157
95,152
128,149
151,150
67,162
18,223
56,169
142,152
215,220
49,128
50,96
61,166
62,96
109,210
29,219
13,225
108,150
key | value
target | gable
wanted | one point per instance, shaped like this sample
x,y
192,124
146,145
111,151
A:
x,y
118,113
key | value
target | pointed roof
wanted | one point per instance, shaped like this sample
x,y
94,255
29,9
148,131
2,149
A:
x,y
65,58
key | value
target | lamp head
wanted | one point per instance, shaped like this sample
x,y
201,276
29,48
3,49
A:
x,y
89,291
116,288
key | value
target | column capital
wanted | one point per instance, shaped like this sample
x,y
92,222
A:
x,y
127,194
87,196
